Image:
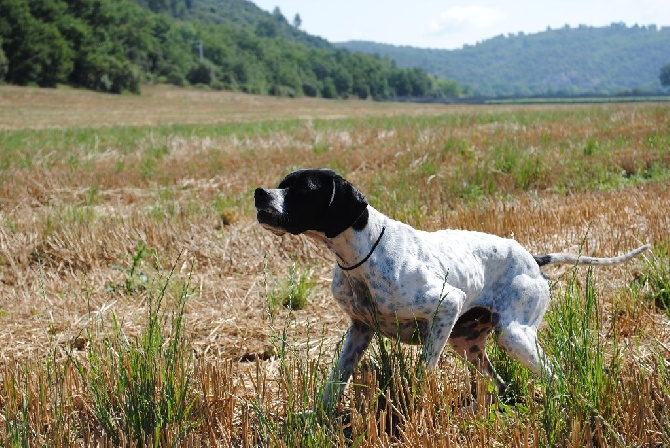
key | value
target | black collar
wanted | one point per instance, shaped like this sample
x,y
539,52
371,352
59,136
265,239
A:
x,y
374,246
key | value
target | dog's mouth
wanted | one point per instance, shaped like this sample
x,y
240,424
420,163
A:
x,y
270,220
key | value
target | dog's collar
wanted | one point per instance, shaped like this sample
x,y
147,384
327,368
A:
x,y
374,246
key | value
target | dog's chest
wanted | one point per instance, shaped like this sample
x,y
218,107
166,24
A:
x,y
383,307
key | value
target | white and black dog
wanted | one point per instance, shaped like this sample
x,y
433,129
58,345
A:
x,y
421,287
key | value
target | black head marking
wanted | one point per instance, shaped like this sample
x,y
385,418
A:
x,y
313,199
346,208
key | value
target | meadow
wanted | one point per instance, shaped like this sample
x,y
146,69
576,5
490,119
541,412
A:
x,y
141,304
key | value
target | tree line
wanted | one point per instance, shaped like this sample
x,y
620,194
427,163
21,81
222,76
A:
x,y
117,45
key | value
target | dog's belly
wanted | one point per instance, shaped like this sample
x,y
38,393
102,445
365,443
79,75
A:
x,y
364,308
408,332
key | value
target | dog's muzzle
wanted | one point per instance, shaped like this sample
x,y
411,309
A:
x,y
267,215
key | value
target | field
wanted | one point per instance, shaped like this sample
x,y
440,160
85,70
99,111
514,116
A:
x,y
141,304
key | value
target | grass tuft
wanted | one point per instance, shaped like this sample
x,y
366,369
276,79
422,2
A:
x,y
655,278
579,401
292,293
141,387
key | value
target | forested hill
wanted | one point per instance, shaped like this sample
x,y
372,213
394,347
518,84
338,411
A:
x,y
608,60
241,13
116,45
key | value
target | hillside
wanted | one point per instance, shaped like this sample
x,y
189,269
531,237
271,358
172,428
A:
x,y
118,45
607,60
240,13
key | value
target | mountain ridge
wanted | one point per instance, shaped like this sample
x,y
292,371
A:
x,y
565,61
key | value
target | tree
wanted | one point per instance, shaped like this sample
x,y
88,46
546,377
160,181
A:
x,y
400,83
35,49
665,75
342,80
4,64
277,14
203,73
267,28
329,90
297,21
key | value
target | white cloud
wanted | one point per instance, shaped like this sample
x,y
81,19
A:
x,y
466,17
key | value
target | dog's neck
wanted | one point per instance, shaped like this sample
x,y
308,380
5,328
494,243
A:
x,y
352,246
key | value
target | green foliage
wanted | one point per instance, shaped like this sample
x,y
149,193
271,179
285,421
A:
x,y
141,388
203,73
665,75
584,374
4,64
293,293
113,46
135,280
656,277
608,60
244,14
32,42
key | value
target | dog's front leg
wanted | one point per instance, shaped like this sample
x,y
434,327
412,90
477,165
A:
x,y
443,322
356,342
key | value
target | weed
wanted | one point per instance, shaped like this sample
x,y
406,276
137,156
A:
x,y
135,279
141,387
398,373
302,384
93,195
293,293
663,386
17,420
578,400
148,167
590,147
656,277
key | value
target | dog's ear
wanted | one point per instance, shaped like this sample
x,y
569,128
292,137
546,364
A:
x,y
346,205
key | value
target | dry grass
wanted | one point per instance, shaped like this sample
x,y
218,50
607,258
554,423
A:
x,y
27,108
88,178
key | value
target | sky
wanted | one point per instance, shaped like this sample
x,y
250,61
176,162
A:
x,y
449,24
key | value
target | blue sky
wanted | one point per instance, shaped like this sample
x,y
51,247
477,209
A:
x,y
449,24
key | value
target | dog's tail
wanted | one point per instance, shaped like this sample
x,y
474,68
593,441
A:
x,y
568,258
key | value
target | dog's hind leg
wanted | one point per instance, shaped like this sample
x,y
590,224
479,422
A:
x,y
468,339
520,342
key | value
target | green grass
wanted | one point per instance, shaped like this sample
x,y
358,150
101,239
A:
x,y
141,387
135,280
586,372
293,292
655,278
497,165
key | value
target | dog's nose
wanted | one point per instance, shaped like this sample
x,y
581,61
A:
x,y
261,196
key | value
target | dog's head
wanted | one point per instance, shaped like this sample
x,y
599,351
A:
x,y
316,200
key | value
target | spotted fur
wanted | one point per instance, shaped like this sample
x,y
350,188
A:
x,y
420,287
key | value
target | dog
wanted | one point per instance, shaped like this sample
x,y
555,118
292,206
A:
x,y
428,288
